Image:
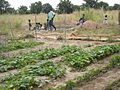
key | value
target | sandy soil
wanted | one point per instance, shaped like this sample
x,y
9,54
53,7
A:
x,y
101,82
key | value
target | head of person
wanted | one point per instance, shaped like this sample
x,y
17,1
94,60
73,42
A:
x,y
29,20
83,15
49,10
105,15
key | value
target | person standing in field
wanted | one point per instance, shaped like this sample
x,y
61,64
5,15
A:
x,y
51,16
105,19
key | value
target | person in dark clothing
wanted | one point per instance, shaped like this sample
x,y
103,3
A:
x,y
51,24
38,26
29,24
45,26
82,20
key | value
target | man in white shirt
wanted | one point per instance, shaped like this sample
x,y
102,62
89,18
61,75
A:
x,y
51,16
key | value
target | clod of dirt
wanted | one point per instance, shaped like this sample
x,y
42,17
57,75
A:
x,y
60,37
29,36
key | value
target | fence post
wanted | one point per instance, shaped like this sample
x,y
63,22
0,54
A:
x,y
36,13
119,17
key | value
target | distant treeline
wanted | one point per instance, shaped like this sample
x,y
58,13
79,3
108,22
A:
x,y
65,6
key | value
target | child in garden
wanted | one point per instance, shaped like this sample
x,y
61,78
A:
x,y
82,20
105,19
29,24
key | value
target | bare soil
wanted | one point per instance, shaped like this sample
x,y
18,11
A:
x,y
100,82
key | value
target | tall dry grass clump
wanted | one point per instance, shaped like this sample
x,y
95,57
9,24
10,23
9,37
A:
x,y
20,22
98,15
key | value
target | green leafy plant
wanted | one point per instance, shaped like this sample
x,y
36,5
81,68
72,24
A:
x,y
24,59
18,44
80,58
27,77
70,84
115,61
22,82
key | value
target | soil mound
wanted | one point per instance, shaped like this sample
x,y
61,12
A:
x,y
92,25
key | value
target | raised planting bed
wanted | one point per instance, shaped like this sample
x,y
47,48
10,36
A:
x,y
28,77
80,59
90,75
18,44
33,57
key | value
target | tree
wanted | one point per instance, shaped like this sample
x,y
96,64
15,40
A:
x,y
76,8
91,3
36,7
46,8
11,10
103,5
65,6
4,5
95,4
22,10
116,7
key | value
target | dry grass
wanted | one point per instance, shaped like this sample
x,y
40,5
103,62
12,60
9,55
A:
x,y
19,23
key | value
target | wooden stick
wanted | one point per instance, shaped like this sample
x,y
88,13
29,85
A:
x,y
35,27
119,17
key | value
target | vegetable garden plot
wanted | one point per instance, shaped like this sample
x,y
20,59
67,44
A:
x,y
81,59
116,84
32,71
18,44
75,74
2,57
27,77
35,56
90,75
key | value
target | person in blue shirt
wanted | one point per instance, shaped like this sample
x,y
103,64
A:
x,y
50,19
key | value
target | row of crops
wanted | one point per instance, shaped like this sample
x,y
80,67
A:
x,y
33,57
75,57
27,77
81,58
69,85
18,44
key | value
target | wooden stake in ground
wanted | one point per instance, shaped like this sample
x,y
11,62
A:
x,y
11,31
119,17
65,32
35,27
